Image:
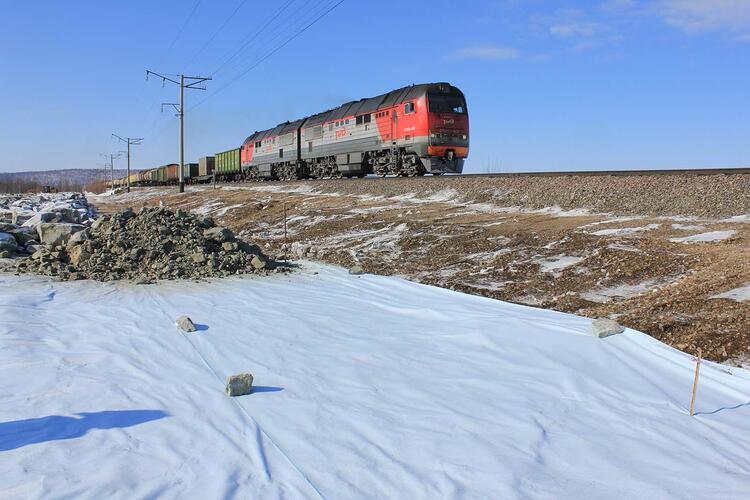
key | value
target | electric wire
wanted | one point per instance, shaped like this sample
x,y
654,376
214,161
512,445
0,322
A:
x,y
269,54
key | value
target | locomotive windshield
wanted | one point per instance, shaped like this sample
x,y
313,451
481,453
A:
x,y
440,103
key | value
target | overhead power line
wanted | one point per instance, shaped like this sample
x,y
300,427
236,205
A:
x,y
216,33
271,53
294,18
255,35
184,25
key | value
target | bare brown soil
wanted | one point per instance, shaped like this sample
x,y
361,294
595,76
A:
x,y
426,231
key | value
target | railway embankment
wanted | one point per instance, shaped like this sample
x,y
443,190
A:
x,y
667,255
721,195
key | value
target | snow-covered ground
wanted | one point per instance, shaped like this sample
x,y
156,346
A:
x,y
740,294
367,387
705,237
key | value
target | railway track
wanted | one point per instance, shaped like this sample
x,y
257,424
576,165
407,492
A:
x,y
591,173
619,173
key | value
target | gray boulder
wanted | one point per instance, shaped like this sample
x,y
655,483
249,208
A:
x,y
32,248
185,324
79,237
21,217
258,263
78,254
6,216
604,327
239,385
40,218
52,233
356,270
218,234
8,243
98,222
24,235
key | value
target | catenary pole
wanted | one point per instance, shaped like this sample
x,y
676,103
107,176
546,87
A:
x,y
194,83
182,133
131,141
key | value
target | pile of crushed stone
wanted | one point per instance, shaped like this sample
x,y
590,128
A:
x,y
154,244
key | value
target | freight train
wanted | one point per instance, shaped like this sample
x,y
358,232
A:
x,y
411,131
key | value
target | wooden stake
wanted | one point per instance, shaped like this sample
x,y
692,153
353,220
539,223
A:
x,y
695,382
285,231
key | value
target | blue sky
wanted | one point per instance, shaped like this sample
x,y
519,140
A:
x,y
551,85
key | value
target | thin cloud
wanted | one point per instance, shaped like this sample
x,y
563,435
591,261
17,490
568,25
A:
x,y
484,53
701,16
572,29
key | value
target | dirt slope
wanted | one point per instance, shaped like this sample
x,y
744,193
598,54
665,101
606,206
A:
x,y
656,271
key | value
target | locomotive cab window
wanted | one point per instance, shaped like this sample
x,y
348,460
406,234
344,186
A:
x,y
409,108
446,104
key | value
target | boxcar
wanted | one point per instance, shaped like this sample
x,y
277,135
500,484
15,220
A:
x,y
189,171
205,165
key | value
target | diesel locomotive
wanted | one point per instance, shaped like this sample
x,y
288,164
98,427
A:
x,y
411,131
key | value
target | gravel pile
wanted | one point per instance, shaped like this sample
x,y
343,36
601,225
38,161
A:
x,y
154,244
657,195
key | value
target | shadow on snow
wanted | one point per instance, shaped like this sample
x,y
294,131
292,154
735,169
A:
x,y
20,433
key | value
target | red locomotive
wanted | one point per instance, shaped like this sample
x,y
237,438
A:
x,y
410,131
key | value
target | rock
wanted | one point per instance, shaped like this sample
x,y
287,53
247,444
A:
x,y
604,327
79,237
134,249
20,217
356,270
57,233
185,324
77,254
239,385
32,248
98,222
6,216
258,263
218,234
8,243
6,254
40,218
67,215
24,235
127,214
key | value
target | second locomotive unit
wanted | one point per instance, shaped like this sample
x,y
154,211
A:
x,y
410,131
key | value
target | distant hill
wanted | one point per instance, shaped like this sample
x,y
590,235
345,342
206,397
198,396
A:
x,y
71,179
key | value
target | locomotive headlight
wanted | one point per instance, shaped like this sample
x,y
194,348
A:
x,y
463,137
433,135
